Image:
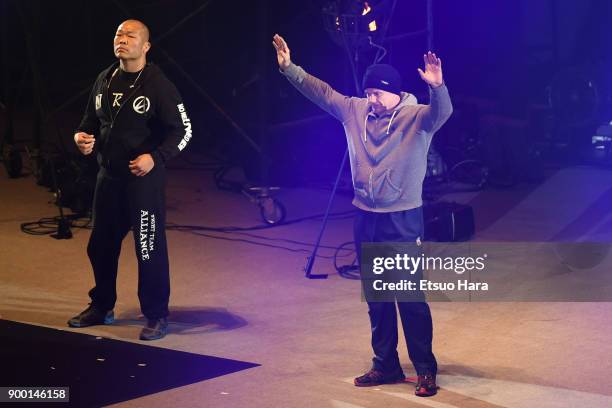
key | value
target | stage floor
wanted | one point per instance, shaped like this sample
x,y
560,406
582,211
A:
x,y
244,298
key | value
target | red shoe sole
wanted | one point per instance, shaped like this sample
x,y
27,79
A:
x,y
377,384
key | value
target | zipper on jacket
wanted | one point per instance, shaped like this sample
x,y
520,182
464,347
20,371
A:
x,y
105,90
106,85
113,118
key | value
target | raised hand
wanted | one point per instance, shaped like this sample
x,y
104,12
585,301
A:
x,y
433,70
283,55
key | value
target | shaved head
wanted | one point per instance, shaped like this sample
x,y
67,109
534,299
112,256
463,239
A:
x,y
138,24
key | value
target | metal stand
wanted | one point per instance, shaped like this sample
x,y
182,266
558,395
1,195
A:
x,y
312,256
63,224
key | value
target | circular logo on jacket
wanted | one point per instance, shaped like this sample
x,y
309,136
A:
x,y
141,104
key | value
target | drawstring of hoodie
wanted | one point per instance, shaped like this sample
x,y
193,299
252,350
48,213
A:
x,y
365,126
391,121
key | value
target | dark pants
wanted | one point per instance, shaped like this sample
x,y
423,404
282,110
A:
x,y
400,226
121,203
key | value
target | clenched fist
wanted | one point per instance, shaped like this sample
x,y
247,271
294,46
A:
x,y
84,142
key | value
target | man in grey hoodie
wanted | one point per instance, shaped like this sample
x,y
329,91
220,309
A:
x,y
388,135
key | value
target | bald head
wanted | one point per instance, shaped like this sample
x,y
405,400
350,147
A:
x,y
139,25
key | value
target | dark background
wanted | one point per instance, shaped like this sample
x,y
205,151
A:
x,y
502,62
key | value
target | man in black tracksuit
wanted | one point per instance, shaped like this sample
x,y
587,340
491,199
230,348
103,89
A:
x,y
136,120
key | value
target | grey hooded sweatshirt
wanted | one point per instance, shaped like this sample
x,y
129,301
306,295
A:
x,y
388,153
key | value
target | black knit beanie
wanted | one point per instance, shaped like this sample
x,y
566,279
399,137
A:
x,y
382,76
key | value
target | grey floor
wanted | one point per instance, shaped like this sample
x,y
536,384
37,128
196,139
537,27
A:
x,y
241,300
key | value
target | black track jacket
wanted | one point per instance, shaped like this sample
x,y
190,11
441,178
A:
x,y
151,120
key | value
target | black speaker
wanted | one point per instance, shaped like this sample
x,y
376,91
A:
x,y
448,222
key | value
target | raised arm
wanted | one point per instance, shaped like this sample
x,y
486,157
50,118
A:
x,y
440,107
313,88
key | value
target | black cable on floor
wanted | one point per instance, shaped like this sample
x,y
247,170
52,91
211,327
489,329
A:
x,y
49,225
336,216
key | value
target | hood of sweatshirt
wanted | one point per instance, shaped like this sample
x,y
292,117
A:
x,y
406,99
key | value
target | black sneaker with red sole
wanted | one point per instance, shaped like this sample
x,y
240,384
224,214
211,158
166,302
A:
x,y
426,386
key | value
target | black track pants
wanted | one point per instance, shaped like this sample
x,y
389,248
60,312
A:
x,y
400,226
121,203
